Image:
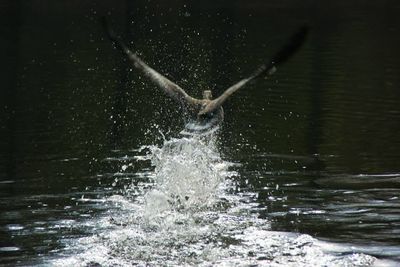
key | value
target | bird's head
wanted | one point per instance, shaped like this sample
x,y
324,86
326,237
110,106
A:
x,y
207,94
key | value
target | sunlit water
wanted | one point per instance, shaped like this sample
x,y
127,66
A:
x,y
184,212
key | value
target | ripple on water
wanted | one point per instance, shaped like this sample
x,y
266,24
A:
x,y
9,249
188,217
14,227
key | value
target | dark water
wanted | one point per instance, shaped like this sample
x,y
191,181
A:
x,y
315,148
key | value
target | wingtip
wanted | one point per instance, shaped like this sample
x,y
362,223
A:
x,y
291,47
302,32
107,29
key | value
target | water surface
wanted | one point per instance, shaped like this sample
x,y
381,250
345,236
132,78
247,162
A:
x,y
304,171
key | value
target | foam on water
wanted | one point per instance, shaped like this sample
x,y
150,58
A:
x,y
187,216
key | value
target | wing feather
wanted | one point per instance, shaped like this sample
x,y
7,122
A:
x,y
266,69
169,87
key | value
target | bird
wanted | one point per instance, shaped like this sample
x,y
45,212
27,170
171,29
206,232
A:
x,y
206,114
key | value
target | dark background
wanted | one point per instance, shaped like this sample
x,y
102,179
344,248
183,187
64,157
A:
x,y
325,127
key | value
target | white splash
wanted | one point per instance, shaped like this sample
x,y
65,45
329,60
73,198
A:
x,y
188,172
187,217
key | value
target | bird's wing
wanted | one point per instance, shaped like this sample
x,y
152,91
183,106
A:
x,y
169,87
266,69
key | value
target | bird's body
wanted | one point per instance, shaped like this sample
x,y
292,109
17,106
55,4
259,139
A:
x,y
200,124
